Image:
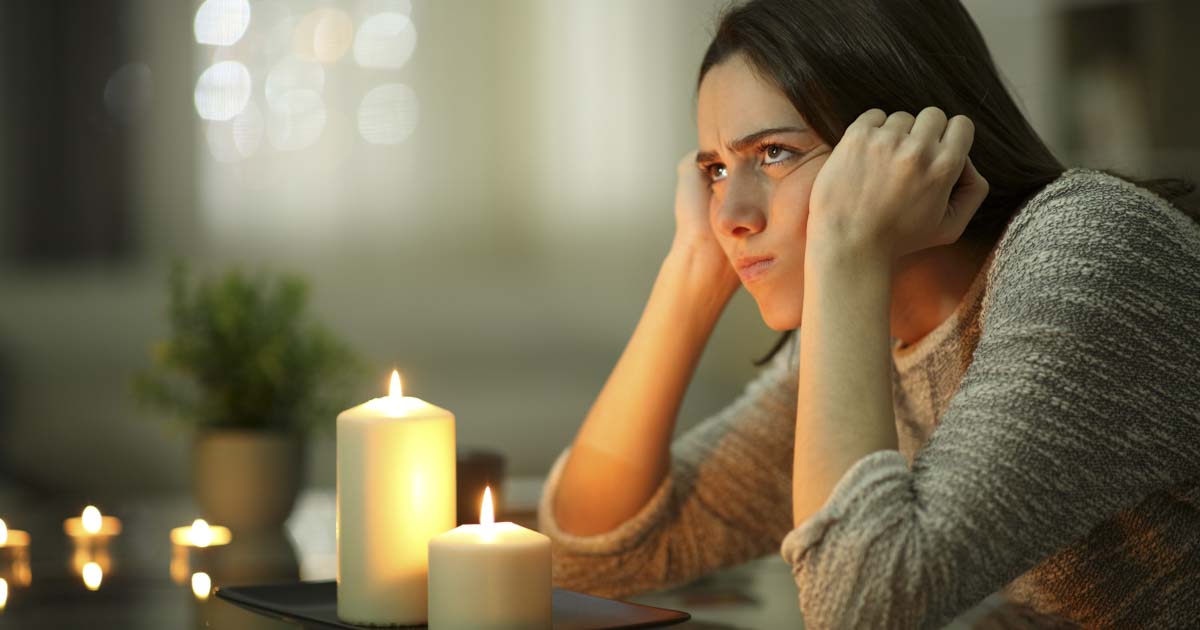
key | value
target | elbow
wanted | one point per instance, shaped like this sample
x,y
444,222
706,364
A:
x,y
869,587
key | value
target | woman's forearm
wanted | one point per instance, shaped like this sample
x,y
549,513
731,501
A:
x,y
622,452
844,409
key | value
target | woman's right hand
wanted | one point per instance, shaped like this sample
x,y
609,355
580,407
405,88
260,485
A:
x,y
709,269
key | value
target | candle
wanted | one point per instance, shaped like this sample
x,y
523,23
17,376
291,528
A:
x,y
395,491
92,524
12,538
3,593
489,576
201,534
14,556
90,533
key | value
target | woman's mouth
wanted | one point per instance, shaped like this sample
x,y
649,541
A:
x,y
752,268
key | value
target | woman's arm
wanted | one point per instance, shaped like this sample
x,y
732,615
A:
x,y
845,387
723,501
621,453
892,185
1080,401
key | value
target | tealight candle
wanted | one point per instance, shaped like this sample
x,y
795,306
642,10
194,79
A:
x,y
14,556
395,491
90,533
490,576
92,524
201,534
12,538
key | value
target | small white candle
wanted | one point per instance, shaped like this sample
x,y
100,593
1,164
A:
x,y
200,534
395,491
490,576
92,524
12,538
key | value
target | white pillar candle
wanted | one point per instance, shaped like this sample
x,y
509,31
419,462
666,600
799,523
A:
x,y
395,491
490,576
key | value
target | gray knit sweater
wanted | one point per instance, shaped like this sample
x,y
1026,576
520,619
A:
x,y
1049,447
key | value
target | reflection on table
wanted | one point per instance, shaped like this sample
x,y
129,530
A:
x,y
148,581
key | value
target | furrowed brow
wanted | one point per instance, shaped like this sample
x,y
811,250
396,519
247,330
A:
x,y
746,142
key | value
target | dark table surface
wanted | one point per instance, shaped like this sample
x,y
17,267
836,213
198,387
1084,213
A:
x,y
149,584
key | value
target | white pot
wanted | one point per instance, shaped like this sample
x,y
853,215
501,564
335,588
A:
x,y
247,480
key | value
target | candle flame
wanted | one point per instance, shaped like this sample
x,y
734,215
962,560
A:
x,y
394,389
3,593
201,585
3,533
486,513
92,519
92,576
202,535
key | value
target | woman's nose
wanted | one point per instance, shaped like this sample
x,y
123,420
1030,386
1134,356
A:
x,y
742,211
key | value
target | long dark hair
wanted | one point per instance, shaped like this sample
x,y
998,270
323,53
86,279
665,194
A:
x,y
835,59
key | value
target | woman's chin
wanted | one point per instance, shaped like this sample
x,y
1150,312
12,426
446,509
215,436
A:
x,y
779,321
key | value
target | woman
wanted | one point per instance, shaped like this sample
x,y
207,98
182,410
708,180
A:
x,y
995,386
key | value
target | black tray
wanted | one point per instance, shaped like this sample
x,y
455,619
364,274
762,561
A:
x,y
314,604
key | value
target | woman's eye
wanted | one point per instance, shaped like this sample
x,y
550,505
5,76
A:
x,y
775,154
716,172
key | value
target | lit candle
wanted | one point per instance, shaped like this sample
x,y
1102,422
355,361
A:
x,y
14,556
90,533
489,576
12,538
395,491
92,524
3,593
201,534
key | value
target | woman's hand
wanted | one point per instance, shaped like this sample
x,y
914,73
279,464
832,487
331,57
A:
x,y
694,241
896,184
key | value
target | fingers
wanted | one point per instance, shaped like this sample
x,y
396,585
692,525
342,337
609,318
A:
x,y
959,135
899,122
965,198
929,124
870,118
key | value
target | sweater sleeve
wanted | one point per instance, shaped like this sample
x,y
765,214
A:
x,y
725,500
1081,399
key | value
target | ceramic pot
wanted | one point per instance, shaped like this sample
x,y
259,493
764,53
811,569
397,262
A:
x,y
247,480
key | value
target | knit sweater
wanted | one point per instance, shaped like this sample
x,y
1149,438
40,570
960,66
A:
x,y
1049,447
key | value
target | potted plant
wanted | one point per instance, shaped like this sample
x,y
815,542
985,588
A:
x,y
251,374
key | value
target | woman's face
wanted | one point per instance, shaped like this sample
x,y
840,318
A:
x,y
761,159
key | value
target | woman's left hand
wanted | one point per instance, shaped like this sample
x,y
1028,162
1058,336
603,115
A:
x,y
896,184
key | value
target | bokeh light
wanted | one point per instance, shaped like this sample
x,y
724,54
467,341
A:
x,y
332,36
201,585
388,114
296,120
292,74
221,22
222,90
93,575
385,40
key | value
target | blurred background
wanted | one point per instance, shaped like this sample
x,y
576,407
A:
x,y
479,193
